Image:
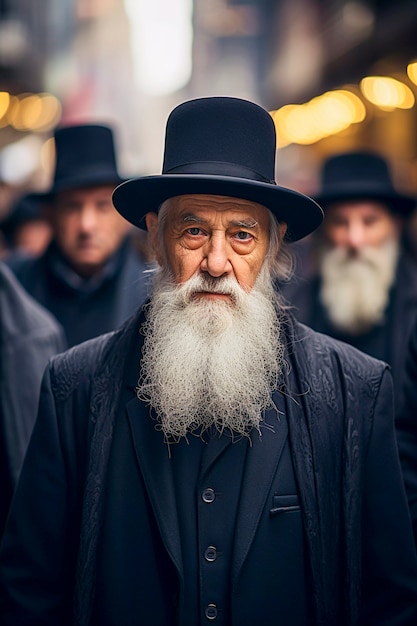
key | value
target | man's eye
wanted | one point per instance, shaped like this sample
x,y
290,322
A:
x,y
104,205
194,231
70,207
243,235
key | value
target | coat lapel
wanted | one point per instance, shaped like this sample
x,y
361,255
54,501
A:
x,y
262,460
154,462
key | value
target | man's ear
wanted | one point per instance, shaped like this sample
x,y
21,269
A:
x,y
152,223
282,229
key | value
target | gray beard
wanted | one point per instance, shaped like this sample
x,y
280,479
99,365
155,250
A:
x,y
355,290
207,362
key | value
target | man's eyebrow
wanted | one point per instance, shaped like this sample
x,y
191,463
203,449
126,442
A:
x,y
245,223
189,217
250,223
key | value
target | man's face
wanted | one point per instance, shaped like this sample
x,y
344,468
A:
x,y
359,224
87,227
212,235
358,264
212,350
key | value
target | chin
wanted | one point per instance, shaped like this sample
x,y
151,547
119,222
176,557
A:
x,y
87,267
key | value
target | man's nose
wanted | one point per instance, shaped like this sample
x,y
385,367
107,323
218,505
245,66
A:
x,y
88,218
356,236
216,261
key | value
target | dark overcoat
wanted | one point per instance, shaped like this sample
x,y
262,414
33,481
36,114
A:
x,y
93,451
406,421
86,309
29,336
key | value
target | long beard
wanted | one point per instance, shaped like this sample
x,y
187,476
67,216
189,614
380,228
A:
x,y
210,362
355,290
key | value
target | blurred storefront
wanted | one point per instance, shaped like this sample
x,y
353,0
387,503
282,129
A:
x,y
336,74
310,62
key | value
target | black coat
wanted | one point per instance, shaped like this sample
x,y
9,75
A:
x,y
29,336
407,428
387,341
86,309
97,481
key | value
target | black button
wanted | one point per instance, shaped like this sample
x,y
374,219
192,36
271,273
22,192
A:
x,y
210,554
211,611
208,495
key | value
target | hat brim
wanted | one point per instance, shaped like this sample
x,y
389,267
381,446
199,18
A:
x,y
137,197
399,203
80,181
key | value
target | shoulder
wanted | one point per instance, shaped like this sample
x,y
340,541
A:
x,y
20,263
20,313
80,363
319,353
337,384
95,361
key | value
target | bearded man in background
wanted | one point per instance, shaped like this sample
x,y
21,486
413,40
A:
x,y
363,289
213,460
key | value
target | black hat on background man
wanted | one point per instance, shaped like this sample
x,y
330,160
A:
x,y
85,156
220,146
361,175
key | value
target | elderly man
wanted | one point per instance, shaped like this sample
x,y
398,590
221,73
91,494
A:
x,y
91,278
361,283
213,460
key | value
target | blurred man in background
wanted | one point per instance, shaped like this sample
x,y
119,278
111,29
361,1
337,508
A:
x,y
363,289
25,229
29,336
90,277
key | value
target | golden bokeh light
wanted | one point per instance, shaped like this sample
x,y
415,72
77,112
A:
x,y
4,103
325,115
30,112
412,71
387,93
50,114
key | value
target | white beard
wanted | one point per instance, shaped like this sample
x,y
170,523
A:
x,y
210,362
355,289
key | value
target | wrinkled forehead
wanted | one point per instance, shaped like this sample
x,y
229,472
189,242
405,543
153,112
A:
x,y
214,207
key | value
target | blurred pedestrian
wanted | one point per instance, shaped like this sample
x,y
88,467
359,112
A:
x,y
91,276
29,336
361,284
213,460
25,229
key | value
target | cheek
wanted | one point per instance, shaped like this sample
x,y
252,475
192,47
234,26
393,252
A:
x,y
334,235
246,270
386,232
183,263
66,229
116,230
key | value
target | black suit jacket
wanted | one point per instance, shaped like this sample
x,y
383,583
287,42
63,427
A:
x,y
95,512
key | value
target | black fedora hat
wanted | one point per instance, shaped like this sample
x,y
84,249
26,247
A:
x,y
84,157
220,146
361,175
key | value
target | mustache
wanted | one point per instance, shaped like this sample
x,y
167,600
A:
x,y
367,256
204,283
